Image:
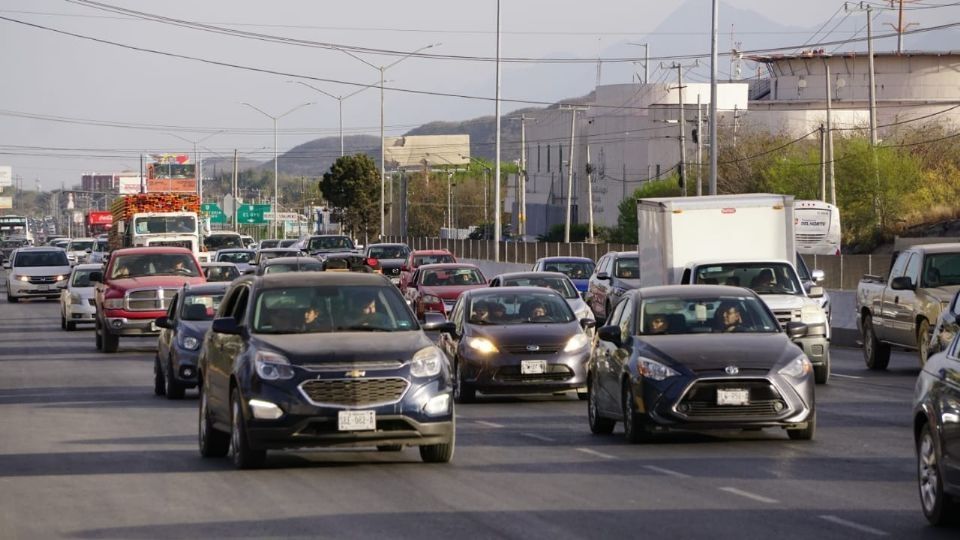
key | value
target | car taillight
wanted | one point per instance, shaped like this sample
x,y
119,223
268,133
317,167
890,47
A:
x,y
432,303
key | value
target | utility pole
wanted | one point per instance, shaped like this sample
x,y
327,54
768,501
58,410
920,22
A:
x,y
496,165
872,75
900,28
522,177
699,147
236,192
646,60
831,177
714,144
823,163
590,193
682,123
570,166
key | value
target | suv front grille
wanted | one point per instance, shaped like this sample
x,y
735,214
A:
x,y
352,393
149,299
787,315
43,280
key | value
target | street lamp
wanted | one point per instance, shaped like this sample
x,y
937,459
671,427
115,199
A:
x,y
196,158
383,168
276,192
339,99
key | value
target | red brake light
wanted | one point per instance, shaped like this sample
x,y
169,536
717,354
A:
x,y
371,261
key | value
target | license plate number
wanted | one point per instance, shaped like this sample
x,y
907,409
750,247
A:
x,y
356,420
733,396
533,367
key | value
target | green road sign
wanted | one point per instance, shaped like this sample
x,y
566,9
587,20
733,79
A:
x,y
214,212
252,214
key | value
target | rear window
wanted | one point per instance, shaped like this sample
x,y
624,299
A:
x,y
200,307
388,252
41,258
420,260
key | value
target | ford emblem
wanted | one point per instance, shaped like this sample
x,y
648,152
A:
x,y
533,348
732,370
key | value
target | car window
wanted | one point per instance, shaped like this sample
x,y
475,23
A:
x,y
452,277
328,308
457,316
626,320
617,313
280,268
572,269
200,307
913,270
705,314
172,310
763,278
387,252
941,270
628,268
504,307
152,264
28,259
899,265
561,285
81,278
236,256
226,307
240,309
956,304
420,260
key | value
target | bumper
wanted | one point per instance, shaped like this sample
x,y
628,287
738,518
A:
x,y
123,326
816,348
305,425
23,289
183,366
502,373
80,312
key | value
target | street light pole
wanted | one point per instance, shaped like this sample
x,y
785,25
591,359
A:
x,y
339,99
276,192
496,173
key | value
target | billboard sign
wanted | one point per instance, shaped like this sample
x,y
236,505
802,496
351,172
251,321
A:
x,y
6,202
415,151
128,185
6,176
95,217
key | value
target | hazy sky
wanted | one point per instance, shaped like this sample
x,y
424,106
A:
x,y
54,75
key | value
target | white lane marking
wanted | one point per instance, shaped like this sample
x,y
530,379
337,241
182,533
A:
x,y
667,472
538,437
845,376
854,525
595,453
748,495
489,424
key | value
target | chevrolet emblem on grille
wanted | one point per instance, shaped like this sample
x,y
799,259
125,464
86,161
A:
x,y
732,370
355,374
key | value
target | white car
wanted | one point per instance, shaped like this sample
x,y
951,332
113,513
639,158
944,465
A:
x,y
77,297
79,249
36,271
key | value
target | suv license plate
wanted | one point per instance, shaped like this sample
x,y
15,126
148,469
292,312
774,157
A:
x,y
356,420
733,396
533,367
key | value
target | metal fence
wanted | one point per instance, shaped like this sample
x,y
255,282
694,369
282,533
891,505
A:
x,y
842,272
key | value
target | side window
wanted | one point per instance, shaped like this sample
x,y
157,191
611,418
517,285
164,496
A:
x,y
956,304
617,312
899,265
240,309
415,279
685,279
626,320
495,282
602,264
952,351
913,269
457,316
230,300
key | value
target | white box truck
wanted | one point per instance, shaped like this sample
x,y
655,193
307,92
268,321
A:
x,y
742,240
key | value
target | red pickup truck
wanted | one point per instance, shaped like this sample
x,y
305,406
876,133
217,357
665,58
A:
x,y
135,287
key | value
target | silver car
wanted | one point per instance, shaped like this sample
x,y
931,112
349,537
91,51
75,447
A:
x,y
552,280
77,303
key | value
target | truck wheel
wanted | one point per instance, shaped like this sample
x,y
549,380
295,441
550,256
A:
x,y
821,374
875,353
923,342
111,342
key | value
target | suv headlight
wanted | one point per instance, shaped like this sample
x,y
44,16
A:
x,y
272,366
812,314
798,367
190,343
427,362
22,278
75,298
576,343
651,369
482,345
113,303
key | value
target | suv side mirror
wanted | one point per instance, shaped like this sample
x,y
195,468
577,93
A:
x,y
902,283
610,333
96,277
162,322
603,275
226,325
817,276
796,330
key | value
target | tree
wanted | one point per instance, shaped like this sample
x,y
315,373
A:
x,y
352,187
626,231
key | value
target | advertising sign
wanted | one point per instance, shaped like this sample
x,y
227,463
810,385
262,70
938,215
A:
x,y
6,202
6,177
128,185
99,218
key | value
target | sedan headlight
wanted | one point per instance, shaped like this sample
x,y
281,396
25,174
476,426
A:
x,y
798,367
113,303
190,343
651,369
272,366
576,343
426,363
482,345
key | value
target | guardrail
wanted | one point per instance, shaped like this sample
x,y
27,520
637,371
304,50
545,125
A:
x,y
841,271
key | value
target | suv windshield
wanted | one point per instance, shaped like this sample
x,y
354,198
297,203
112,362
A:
x,y
41,258
325,308
713,314
318,243
562,286
519,308
222,241
388,252
80,246
154,264
763,278
628,268
81,278
200,307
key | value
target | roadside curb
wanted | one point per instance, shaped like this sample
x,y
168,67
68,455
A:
x,y
845,337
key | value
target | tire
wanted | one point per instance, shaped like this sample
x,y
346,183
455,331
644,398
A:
x,y
390,447
633,428
938,507
175,390
875,354
111,342
12,299
807,433
71,326
923,342
462,392
821,374
598,424
244,457
159,379
440,453
98,339
213,442
63,322
583,395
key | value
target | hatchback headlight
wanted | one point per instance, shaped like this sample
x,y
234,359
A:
x,y
272,366
482,345
113,303
427,362
190,343
576,343
651,369
798,367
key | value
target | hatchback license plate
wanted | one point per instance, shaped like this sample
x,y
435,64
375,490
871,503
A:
x,y
356,420
733,396
533,367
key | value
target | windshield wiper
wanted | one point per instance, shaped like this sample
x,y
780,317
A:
x,y
361,328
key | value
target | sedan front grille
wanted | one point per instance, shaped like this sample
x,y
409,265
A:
x,y
354,393
554,373
149,299
699,402
531,349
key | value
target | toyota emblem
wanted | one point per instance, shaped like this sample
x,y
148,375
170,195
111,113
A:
x,y
732,370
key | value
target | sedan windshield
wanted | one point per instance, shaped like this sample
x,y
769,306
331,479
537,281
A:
x,y
154,264
763,278
452,277
559,284
307,310
714,314
941,270
200,307
519,308
222,272
222,241
41,258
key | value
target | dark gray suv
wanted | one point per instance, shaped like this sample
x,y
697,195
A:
x,y
616,273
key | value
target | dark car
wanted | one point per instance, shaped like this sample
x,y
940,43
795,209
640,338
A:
x,y
181,334
578,269
936,429
515,340
243,258
314,359
616,273
320,245
273,253
280,265
391,257
220,271
699,357
947,326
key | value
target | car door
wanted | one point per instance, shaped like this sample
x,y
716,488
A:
x,y
884,318
596,288
904,328
215,366
946,392
608,378
167,335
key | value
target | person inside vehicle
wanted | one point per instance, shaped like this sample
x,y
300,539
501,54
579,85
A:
x,y
480,313
763,280
498,312
658,324
538,310
366,312
312,321
729,318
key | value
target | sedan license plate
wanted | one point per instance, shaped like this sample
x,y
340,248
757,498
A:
x,y
356,420
733,396
533,367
